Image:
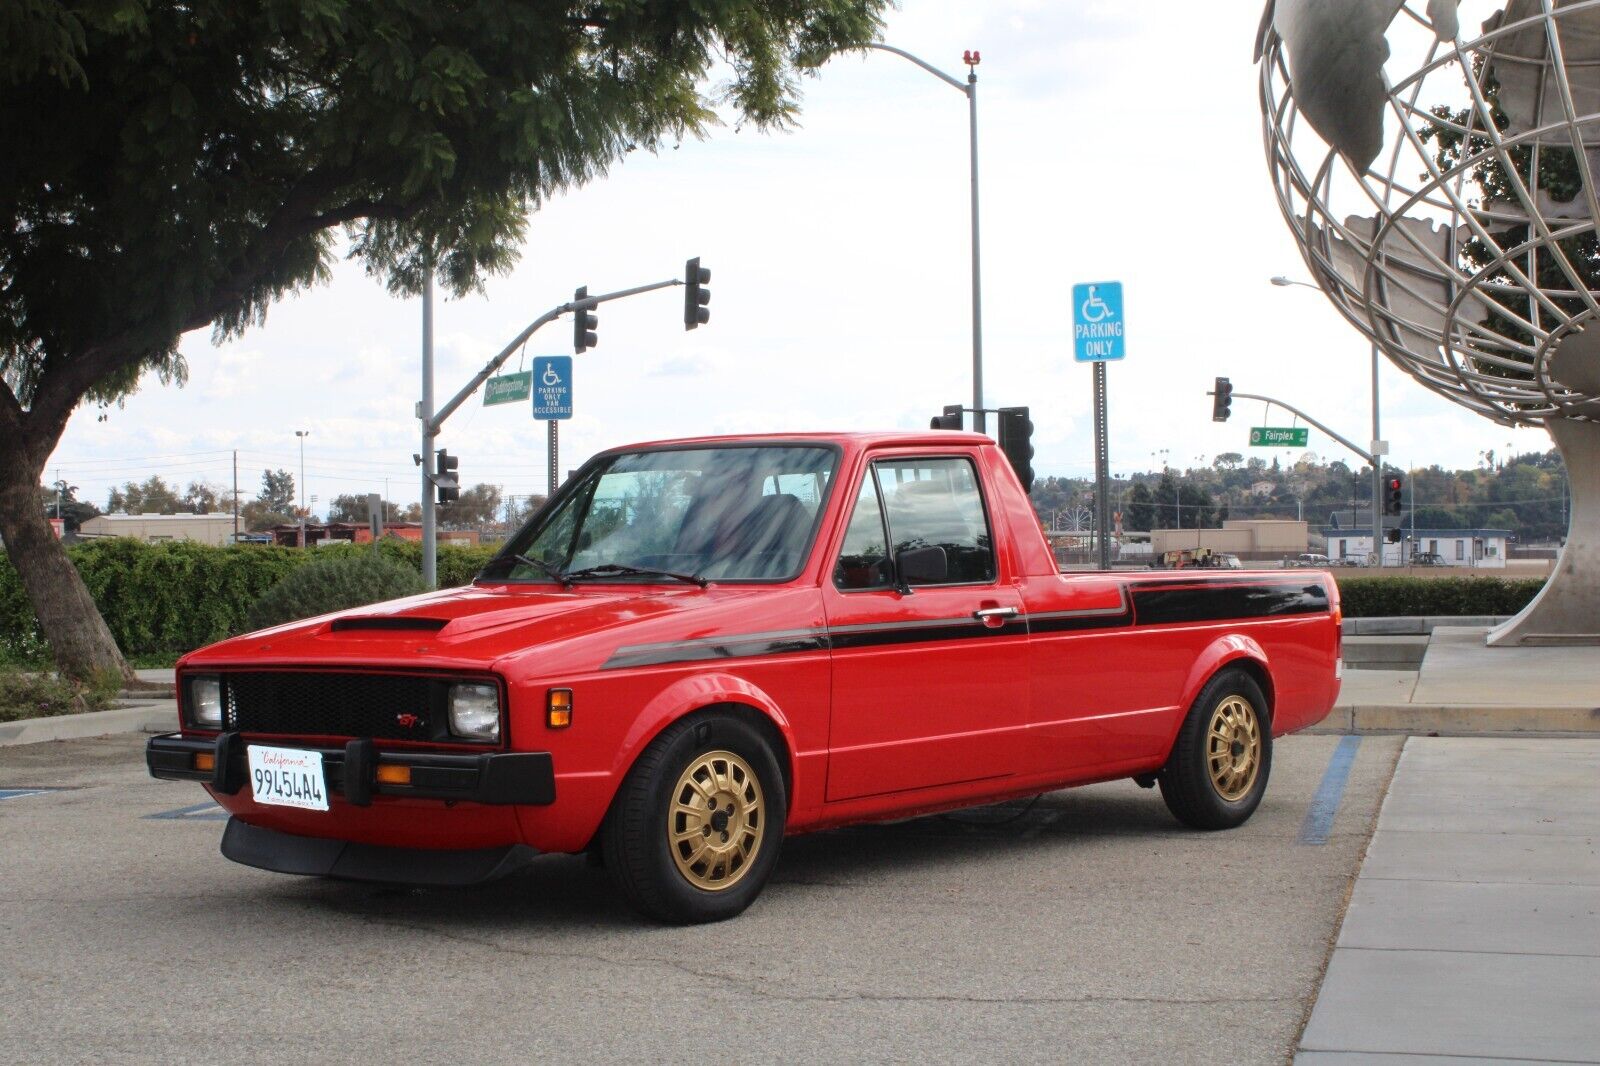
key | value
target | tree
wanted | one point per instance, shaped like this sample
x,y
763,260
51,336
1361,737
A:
x,y
1227,460
474,508
60,500
353,508
1140,514
169,167
277,491
258,515
203,498
153,496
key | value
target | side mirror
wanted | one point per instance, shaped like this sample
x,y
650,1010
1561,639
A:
x,y
922,566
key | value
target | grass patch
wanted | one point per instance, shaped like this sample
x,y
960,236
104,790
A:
x,y
26,694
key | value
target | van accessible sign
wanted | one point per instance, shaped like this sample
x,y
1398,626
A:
x,y
1097,325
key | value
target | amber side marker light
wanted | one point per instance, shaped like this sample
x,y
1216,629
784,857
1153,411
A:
x,y
394,775
558,708
204,761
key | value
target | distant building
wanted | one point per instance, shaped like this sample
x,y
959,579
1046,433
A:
x,y
1248,538
215,527
319,534
1478,548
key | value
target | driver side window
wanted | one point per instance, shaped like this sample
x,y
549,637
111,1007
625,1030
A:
x,y
864,558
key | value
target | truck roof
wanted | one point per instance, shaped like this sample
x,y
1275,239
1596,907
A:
x,y
934,437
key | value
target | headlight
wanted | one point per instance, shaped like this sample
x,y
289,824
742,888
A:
x,y
475,711
205,702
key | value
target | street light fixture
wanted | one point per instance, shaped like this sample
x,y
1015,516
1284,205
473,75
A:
x,y
970,89
1378,448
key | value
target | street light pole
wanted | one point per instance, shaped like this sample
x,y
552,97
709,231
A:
x,y
970,88
1377,446
302,434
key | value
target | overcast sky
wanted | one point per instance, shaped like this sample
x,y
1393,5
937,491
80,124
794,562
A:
x,y
1117,141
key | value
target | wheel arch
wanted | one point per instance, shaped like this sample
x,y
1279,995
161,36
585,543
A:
x,y
1234,651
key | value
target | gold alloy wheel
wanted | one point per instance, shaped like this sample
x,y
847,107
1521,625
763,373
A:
x,y
716,821
1233,748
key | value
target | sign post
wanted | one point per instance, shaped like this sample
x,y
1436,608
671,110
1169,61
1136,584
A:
x,y
1097,337
552,401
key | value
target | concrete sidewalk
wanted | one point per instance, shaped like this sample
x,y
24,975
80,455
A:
x,y
1474,928
1465,688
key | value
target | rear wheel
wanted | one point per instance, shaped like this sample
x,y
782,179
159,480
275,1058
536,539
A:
x,y
696,827
1218,769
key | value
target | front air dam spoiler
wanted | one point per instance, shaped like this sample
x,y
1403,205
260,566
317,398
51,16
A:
x,y
268,849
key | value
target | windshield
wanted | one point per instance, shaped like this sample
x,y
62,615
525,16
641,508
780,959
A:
x,y
736,513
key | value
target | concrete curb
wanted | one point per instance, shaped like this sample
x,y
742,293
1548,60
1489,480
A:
x,y
1459,720
149,718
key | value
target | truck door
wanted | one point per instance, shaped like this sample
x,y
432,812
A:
x,y
929,646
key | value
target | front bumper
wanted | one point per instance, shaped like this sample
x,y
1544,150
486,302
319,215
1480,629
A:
x,y
521,777
288,853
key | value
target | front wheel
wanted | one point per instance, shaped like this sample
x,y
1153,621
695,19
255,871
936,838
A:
x,y
696,827
1217,772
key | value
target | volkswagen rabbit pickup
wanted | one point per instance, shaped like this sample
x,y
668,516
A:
x,y
699,647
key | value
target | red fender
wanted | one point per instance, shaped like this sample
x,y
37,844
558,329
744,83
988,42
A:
x,y
690,694
1218,654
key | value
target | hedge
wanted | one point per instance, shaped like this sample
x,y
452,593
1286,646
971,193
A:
x,y
1388,597
163,599
171,597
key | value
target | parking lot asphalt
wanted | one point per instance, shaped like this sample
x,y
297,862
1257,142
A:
x,y
1084,926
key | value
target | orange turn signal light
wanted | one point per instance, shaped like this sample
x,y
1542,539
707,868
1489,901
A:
x,y
558,708
204,761
391,774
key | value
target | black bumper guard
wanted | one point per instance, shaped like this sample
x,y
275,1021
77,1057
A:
x,y
521,777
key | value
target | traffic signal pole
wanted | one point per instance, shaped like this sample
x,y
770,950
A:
x,y
433,421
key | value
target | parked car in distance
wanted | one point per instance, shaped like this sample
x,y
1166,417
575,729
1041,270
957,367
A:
x,y
1427,559
1310,560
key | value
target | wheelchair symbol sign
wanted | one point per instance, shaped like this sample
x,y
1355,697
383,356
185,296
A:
x,y
1097,328
552,387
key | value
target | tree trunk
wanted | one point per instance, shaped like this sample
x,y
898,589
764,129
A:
x,y
82,643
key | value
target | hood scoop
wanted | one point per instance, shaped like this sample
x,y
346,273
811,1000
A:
x,y
388,623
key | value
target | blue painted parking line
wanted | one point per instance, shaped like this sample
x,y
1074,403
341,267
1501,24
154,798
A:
x,y
200,812
1325,804
18,793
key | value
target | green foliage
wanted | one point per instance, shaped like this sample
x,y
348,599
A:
x,y
1389,597
333,584
42,695
160,600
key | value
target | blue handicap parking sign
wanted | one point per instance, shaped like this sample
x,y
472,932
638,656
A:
x,y
552,387
1097,326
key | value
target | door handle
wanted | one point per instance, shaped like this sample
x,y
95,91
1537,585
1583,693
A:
x,y
986,613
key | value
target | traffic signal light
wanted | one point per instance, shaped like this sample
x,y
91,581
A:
x,y
695,294
1393,494
445,479
1016,440
1222,400
1393,535
951,419
584,323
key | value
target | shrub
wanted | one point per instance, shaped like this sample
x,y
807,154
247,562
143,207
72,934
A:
x,y
1384,597
25,695
333,584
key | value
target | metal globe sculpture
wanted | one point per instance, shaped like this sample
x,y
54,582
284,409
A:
x,y
1443,183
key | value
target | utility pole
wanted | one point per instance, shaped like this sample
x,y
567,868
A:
x,y
236,495
430,552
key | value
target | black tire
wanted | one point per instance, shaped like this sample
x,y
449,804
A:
x,y
653,860
1210,780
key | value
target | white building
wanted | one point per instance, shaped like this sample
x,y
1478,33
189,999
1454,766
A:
x,y
213,528
1483,549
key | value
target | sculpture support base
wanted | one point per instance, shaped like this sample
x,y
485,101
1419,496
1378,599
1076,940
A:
x,y
1567,609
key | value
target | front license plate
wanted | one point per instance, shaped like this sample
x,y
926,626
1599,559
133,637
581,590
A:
x,y
288,777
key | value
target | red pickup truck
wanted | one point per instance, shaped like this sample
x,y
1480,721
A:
x,y
698,647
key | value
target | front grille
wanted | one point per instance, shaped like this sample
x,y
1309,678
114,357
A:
x,y
382,706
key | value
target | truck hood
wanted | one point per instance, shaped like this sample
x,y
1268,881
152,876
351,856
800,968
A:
x,y
481,625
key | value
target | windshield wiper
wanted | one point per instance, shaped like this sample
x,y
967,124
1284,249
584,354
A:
x,y
622,569
554,573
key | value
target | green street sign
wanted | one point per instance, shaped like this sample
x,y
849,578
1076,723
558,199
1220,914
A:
x,y
508,388
1278,437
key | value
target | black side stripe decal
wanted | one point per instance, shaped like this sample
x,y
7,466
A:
x,y
1147,606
